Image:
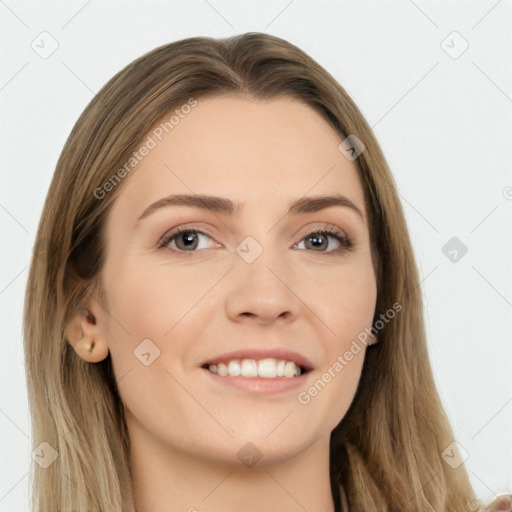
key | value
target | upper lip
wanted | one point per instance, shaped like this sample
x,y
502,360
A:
x,y
260,353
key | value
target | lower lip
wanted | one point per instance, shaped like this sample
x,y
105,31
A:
x,y
260,384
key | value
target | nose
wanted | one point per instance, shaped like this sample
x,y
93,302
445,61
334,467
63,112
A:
x,y
262,292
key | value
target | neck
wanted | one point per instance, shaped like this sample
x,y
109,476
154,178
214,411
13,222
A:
x,y
166,479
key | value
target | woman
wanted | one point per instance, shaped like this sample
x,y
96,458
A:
x,y
253,372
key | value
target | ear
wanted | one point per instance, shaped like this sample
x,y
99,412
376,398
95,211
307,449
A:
x,y
86,336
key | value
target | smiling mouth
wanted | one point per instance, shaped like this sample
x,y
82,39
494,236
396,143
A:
x,y
268,368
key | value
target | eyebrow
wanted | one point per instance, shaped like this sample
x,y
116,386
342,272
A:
x,y
217,204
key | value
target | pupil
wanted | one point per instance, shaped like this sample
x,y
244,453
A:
x,y
188,238
317,240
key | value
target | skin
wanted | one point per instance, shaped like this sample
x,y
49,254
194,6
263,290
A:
x,y
186,429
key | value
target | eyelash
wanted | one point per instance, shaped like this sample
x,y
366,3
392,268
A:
x,y
345,242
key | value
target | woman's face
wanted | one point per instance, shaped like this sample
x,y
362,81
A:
x,y
257,280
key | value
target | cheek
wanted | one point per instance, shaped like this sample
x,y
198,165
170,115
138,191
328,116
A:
x,y
145,302
156,302
345,298
149,300
330,394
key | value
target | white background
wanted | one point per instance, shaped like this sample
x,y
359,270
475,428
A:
x,y
444,124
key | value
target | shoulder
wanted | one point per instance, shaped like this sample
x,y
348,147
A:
x,y
501,503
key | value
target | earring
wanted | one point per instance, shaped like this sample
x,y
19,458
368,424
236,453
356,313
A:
x,y
88,346
92,351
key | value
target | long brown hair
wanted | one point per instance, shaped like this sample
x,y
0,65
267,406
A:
x,y
387,450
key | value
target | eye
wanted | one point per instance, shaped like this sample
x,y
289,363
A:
x,y
320,239
183,239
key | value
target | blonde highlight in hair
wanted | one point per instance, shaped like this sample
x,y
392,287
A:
x,y
385,452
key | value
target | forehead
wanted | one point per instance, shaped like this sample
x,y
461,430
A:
x,y
247,150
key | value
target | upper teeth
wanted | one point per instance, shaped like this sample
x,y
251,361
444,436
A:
x,y
269,368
